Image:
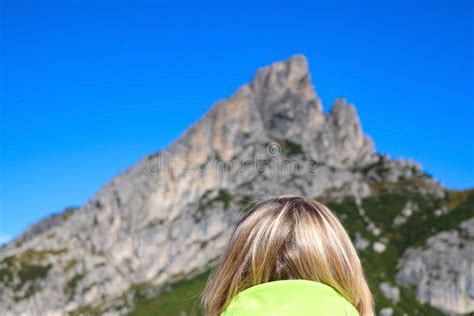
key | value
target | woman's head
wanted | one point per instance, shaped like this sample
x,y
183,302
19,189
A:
x,y
288,237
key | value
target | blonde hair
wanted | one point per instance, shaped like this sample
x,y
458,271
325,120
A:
x,y
288,237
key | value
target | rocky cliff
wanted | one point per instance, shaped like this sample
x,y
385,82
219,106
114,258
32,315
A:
x,y
167,218
443,269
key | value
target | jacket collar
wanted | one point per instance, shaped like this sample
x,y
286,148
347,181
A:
x,y
290,298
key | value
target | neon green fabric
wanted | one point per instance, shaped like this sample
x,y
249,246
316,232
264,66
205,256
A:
x,y
290,298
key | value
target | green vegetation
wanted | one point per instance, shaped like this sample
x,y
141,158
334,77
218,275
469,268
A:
x,y
23,272
289,148
35,255
86,310
459,199
181,299
208,199
28,276
224,197
33,272
69,265
6,273
72,284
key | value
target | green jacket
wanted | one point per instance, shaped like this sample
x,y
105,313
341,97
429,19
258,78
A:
x,y
290,298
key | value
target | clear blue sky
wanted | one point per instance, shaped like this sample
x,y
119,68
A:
x,y
88,89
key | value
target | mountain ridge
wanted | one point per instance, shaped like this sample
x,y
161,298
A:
x,y
167,217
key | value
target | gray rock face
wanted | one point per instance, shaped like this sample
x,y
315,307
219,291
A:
x,y
390,292
168,216
443,270
45,225
386,311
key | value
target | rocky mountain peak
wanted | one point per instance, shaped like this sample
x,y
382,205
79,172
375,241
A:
x,y
281,104
286,77
283,95
167,217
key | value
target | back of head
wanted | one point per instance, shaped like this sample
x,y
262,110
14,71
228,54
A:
x,y
285,238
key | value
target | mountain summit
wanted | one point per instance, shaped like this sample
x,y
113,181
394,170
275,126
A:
x,y
167,218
